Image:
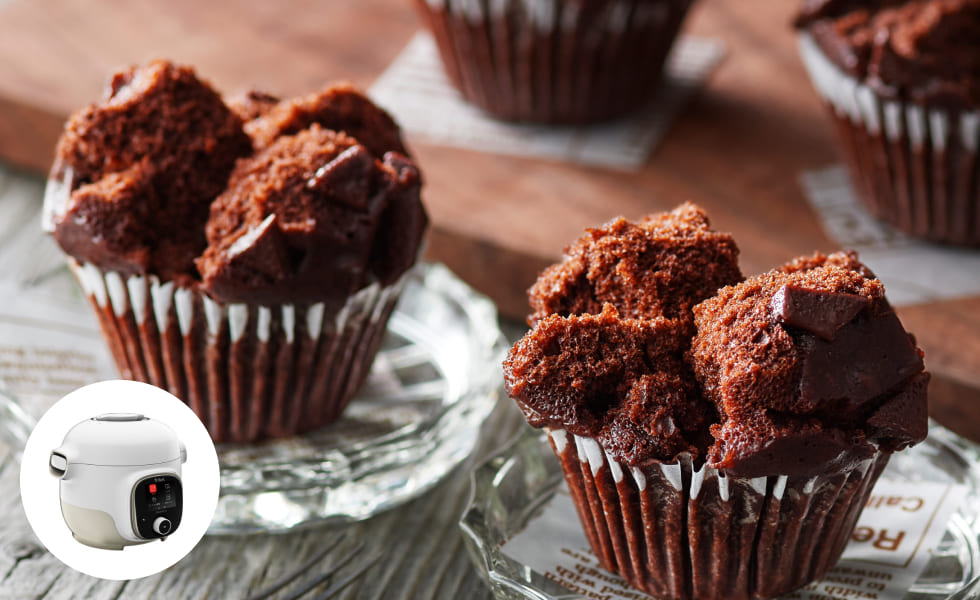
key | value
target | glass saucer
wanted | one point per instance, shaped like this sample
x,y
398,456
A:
x,y
511,488
432,384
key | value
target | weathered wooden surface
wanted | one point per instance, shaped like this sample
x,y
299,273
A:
x,y
421,549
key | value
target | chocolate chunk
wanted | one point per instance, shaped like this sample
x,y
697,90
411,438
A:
x,y
257,259
821,312
343,178
869,357
403,221
902,420
763,444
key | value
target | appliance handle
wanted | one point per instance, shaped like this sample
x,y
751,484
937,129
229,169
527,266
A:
x,y
58,464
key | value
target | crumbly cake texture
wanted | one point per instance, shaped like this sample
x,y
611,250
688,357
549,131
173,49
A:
x,y
921,50
261,200
746,387
340,107
661,266
622,381
161,139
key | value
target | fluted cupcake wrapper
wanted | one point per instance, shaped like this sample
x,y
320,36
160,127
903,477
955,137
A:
x,y
550,61
248,371
681,533
915,166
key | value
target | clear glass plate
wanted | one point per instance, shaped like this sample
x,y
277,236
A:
x,y
511,488
432,384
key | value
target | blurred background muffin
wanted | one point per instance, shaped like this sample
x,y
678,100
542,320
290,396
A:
x,y
555,61
902,81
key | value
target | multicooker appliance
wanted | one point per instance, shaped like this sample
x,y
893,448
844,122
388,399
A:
x,y
120,480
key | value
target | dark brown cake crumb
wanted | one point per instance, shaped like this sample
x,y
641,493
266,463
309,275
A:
x,y
339,107
305,219
661,266
797,359
168,134
620,380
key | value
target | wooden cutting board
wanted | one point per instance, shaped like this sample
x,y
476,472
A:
x,y
737,150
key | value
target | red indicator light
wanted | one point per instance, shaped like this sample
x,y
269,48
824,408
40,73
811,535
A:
x,y
153,488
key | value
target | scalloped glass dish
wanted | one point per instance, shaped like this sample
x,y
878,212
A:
x,y
418,415
511,488
431,386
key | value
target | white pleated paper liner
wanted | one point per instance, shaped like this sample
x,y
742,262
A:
x,y
678,533
249,371
915,166
551,61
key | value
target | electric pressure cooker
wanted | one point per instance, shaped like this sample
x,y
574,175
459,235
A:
x,y
120,480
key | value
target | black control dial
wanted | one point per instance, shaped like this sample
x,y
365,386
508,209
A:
x,y
157,506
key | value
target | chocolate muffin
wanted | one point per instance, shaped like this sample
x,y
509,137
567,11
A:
x,y
728,458
902,81
555,61
245,258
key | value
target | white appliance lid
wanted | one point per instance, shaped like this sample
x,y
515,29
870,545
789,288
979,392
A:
x,y
120,439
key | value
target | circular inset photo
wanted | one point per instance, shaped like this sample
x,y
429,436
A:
x,y
112,470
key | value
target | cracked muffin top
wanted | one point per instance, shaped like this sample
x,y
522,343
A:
x,y
802,370
262,200
660,266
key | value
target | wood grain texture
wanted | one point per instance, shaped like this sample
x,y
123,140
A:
x,y
737,149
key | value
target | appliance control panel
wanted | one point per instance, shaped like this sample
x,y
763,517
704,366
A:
x,y
158,501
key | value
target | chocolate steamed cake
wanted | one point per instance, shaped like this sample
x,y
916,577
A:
x,y
156,189
662,265
245,257
703,421
901,80
806,366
